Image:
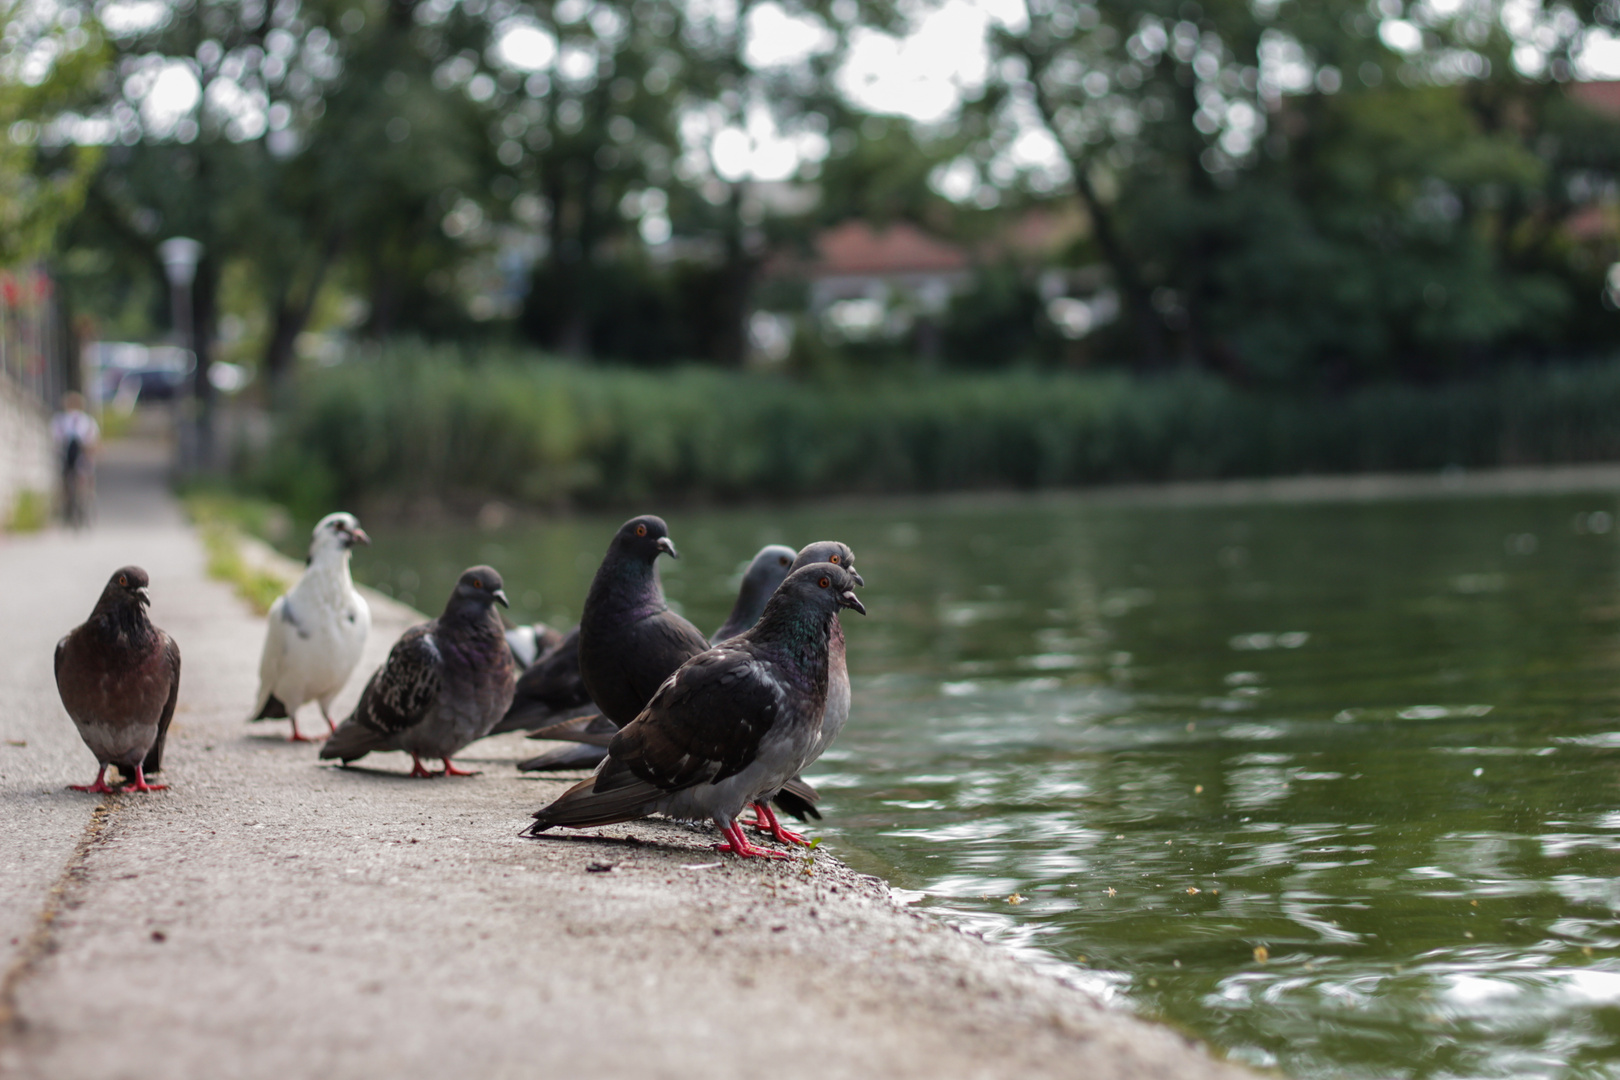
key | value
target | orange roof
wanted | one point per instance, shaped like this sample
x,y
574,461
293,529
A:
x,y
1603,96
855,248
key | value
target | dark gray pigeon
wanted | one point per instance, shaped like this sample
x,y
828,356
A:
x,y
119,676
550,690
797,798
551,700
730,727
532,642
444,684
629,639
765,573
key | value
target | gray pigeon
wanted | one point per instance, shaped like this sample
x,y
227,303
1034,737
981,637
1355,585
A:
x,y
552,693
730,727
445,683
768,570
119,676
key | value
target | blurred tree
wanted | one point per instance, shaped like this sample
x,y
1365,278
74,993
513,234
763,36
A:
x,y
50,61
1311,193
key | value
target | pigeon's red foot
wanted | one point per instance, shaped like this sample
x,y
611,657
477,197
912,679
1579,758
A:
x,y
419,770
98,788
737,844
451,770
767,823
298,736
140,784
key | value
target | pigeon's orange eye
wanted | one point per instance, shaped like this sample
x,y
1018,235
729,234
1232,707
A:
x,y
641,530
478,583
782,562
836,559
824,582
123,581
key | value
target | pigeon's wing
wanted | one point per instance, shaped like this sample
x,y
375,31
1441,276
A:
x,y
549,688
397,697
591,728
61,648
403,688
704,724
154,756
666,641
276,629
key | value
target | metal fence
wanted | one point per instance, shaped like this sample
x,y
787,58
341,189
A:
x,y
33,348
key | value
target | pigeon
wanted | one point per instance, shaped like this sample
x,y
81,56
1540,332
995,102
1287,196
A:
x,y
551,697
316,631
797,798
629,639
119,676
728,728
444,684
768,570
549,690
530,643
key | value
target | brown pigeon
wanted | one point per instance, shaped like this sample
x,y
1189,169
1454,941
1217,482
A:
x,y
118,676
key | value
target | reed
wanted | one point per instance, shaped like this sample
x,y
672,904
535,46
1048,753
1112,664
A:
x,y
417,421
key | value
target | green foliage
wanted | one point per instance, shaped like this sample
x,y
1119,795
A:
x,y
221,520
30,512
421,422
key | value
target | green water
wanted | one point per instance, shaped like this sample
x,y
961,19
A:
x,y
1378,741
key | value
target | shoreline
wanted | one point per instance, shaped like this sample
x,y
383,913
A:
x,y
271,916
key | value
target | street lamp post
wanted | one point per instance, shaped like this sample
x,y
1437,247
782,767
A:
x,y
180,255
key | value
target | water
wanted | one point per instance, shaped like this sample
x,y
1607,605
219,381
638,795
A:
x,y
1334,786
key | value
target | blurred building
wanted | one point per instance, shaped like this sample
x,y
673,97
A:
x,y
34,371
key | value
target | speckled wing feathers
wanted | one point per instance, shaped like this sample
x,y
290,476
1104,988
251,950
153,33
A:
x,y
401,691
704,724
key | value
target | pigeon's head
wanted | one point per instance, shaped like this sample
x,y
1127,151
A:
x,y
480,588
829,551
646,537
826,585
769,568
337,532
128,585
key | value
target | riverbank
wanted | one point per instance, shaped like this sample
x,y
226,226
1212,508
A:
x,y
270,916
430,431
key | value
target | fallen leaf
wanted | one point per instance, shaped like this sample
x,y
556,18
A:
x,y
1015,899
1261,954
1192,890
1111,891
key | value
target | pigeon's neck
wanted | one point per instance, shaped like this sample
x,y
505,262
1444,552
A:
x,y
745,613
328,572
798,634
626,590
119,619
471,616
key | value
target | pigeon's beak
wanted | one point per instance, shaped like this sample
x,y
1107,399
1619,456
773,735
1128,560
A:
x,y
858,579
142,598
357,535
500,597
848,599
666,544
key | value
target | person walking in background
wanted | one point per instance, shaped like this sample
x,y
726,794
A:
x,y
76,436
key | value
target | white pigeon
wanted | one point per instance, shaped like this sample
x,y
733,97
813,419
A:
x,y
316,630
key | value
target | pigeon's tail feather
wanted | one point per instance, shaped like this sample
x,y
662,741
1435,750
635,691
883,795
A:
x,y
575,756
352,741
582,806
798,799
592,729
273,710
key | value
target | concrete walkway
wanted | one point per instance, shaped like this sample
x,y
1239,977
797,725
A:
x,y
272,917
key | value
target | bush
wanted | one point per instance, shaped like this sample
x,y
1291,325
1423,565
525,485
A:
x,y
419,421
